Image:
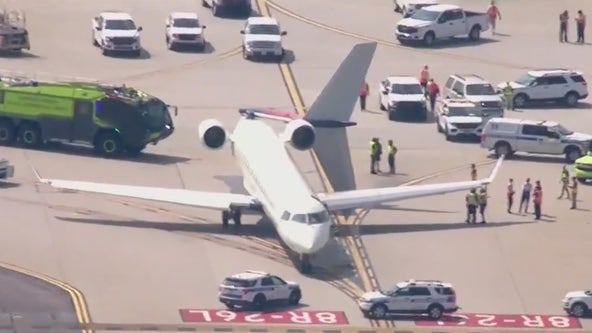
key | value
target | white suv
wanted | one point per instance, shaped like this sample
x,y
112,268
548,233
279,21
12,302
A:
x,y
554,85
257,290
430,297
263,38
506,136
578,303
402,96
459,117
474,88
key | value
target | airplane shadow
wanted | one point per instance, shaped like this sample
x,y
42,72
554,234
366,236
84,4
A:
x,y
234,183
417,210
381,229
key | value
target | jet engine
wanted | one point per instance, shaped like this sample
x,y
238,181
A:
x,y
300,133
212,133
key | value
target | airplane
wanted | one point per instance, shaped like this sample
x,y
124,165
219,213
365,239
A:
x,y
276,187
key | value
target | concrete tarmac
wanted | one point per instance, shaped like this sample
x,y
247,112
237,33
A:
x,y
158,258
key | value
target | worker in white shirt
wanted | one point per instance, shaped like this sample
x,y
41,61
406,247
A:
x,y
525,197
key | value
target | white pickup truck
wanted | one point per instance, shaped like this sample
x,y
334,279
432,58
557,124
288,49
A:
x,y
431,23
116,32
6,170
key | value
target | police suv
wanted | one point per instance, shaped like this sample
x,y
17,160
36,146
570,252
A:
x,y
431,297
459,117
506,136
578,303
256,290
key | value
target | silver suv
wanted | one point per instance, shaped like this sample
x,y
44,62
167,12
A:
x,y
475,89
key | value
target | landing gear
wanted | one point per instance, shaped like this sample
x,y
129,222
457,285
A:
x,y
234,214
305,265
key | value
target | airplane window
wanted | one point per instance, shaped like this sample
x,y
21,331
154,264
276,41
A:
x,y
286,216
299,218
319,217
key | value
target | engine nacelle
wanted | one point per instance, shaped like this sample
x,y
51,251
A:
x,y
212,133
300,133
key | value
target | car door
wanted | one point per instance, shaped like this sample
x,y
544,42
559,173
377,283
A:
x,y
82,126
400,300
551,143
419,298
457,22
539,89
448,87
458,90
558,87
445,27
531,138
270,290
281,292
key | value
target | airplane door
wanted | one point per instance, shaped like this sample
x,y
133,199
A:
x,y
82,128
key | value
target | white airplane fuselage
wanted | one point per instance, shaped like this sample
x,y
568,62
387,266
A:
x,y
269,174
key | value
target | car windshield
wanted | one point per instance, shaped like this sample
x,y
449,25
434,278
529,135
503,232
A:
x,y
562,130
120,25
155,112
319,217
263,29
463,111
406,89
526,80
425,15
483,89
186,23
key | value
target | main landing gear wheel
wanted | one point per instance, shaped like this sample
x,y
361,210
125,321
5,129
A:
x,y
234,214
305,265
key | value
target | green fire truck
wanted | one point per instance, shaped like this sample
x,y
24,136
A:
x,y
113,119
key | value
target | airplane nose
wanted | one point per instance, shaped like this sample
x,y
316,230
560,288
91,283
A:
x,y
318,238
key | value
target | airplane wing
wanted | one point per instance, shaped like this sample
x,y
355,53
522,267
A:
x,y
212,200
368,198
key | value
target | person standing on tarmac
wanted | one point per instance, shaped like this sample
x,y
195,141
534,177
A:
x,y
508,93
574,193
424,77
525,197
392,151
364,92
433,93
564,183
373,156
493,13
563,21
537,200
472,200
510,194
482,203
378,155
580,26
473,172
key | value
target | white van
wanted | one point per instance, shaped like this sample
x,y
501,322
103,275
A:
x,y
408,7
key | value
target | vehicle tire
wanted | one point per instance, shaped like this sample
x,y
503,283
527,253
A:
x,y
581,180
378,311
108,144
571,99
7,133
429,38
295,297
380,106
447,136
579,310
170,46
245,55
435,311
520,100
201,47
259,302
215,10
105,52
475,33
137,53
438,127
572,154
29,135
502,148
94,41
229,306
392,115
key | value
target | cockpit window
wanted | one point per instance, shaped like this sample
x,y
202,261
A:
x,y
319,217
299,218
286,216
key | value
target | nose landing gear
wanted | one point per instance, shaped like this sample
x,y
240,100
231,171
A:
x,y
234,214
305,267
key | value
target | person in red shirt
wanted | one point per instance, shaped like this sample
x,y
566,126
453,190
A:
x,y
493,13
364,92
433,92
537,199
424,76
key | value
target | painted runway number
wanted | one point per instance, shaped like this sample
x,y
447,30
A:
x,y
281,317
504,321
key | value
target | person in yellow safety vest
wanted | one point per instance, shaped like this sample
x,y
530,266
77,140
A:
x,y
574,193
508,93
473,172
392,151
482,203
373,155
472,201
564,183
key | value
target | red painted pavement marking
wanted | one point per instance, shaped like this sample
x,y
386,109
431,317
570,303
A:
x,y
504,321
279,317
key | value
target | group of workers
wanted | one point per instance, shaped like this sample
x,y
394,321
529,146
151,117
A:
x,y
580,26
376,153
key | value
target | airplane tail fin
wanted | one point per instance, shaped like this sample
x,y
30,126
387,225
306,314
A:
x,y
335,104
